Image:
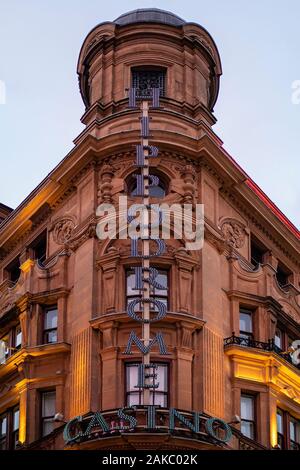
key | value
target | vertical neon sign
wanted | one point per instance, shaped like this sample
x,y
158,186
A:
x,y
145,275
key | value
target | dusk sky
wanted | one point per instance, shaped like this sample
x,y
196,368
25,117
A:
x,y
259,45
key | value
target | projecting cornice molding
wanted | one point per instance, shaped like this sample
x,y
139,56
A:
x,y
204,152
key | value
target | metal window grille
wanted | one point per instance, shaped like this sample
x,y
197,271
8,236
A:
x,y
145,80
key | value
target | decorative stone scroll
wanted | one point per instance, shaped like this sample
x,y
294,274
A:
x,y
62,229
234,233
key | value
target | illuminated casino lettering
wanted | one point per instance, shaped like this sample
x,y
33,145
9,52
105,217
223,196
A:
x,y
135,419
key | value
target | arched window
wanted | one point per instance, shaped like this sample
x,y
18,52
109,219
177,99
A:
x,y
158,191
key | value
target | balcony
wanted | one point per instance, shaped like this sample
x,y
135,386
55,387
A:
x,y
265,363
268,346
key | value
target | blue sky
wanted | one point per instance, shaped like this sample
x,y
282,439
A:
x,y
259,44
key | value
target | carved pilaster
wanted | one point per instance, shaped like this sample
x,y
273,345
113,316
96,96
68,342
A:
x,y
185,266
189,186
24,307
109,267
105,184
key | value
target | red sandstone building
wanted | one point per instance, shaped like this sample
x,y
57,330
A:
x,y
233,307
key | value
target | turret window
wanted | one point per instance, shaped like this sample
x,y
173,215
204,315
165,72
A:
x,y
144,79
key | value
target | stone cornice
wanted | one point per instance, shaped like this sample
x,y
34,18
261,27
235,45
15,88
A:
x,y
206,150
24,356
267,368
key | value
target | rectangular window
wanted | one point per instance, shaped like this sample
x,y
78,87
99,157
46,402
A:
x,y
246,327
13,270
158,396
280,429
4,348
9,429
39,247
10,343
157,294
248,415
282,275
294,434
287,431
278,340
257,252
15,427
48,411
144,79
17,337
50,325
3,431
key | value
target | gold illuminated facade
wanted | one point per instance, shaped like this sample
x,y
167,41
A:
x,y
233,307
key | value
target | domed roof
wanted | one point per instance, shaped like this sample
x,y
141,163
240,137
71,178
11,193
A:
x,y
149,15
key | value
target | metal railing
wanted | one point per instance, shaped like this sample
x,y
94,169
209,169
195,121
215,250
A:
x,y
265,346
242,442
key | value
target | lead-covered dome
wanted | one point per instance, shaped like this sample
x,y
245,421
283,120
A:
x,y
149,15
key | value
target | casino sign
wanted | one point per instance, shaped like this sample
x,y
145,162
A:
x,y
150,420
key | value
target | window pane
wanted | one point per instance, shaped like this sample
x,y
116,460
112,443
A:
x,y
247,428
16,419
3,444
18,336
279,422
290,341
293,429
162,279
130,284
162,378
50,319
48,427
146,79
51,337
157,191
154,307
15,439
4,349
159,294
246,322
247,407
132,377
280,440
134,396
48,404
134,399
160,399
278,338
3,425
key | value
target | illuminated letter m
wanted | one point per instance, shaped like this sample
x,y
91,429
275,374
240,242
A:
x,y
146,349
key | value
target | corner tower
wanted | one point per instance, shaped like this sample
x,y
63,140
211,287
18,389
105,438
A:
x,y
146,48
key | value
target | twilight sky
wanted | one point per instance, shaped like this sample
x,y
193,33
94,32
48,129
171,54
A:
x,y
259,44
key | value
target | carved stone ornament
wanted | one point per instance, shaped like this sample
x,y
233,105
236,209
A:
x,y
63,230
79,238
234,233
